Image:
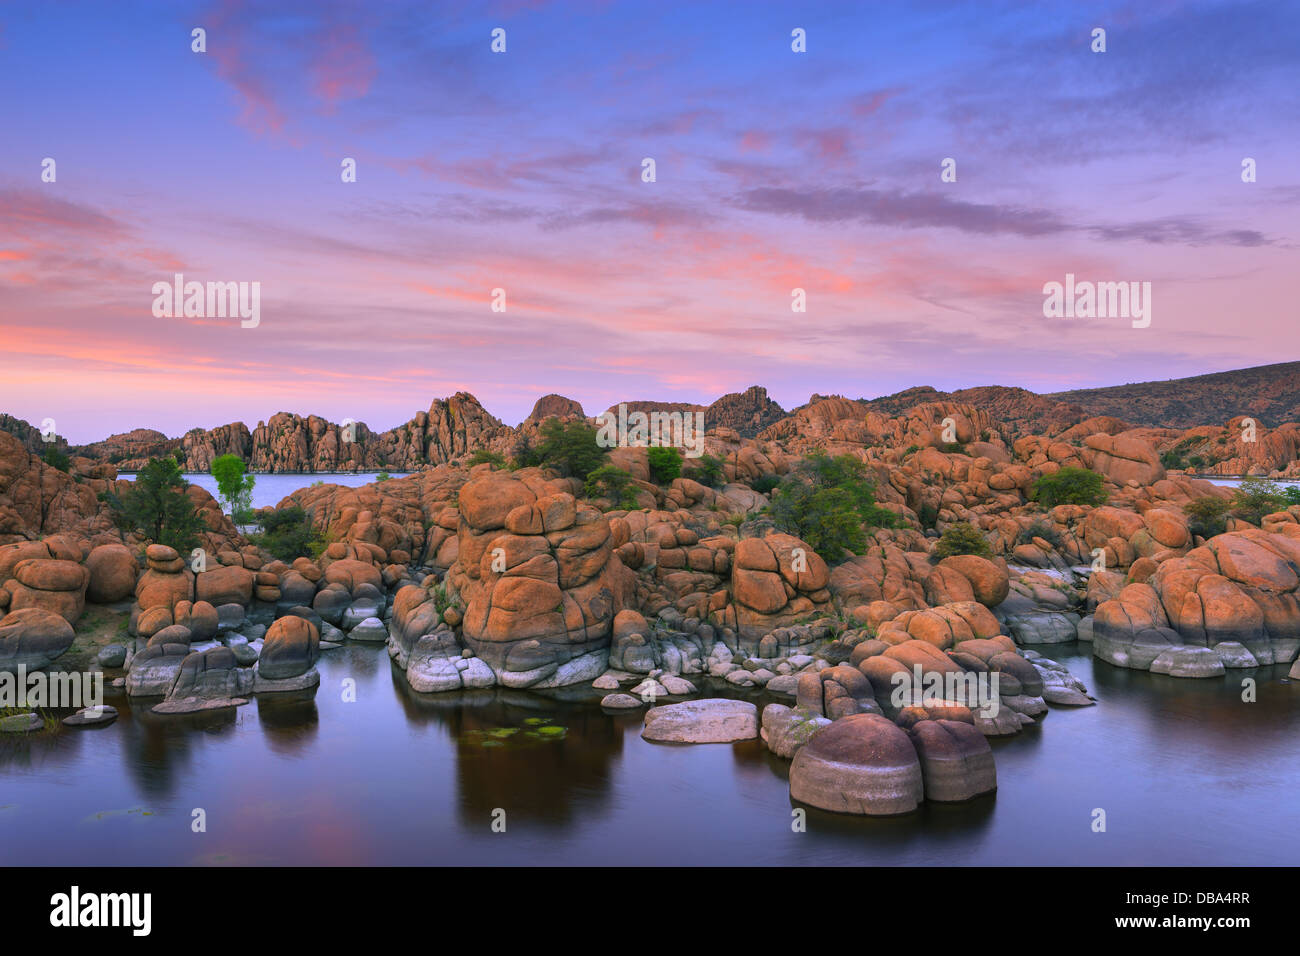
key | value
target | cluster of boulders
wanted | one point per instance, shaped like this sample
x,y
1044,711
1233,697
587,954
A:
x,y
1233,602
479,577
260,625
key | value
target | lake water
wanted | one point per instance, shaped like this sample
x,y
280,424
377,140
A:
x,y
1186,772
270,490
1235,482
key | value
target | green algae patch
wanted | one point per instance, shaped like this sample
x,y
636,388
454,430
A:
x,y
536,730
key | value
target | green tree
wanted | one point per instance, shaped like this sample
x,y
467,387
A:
x,y
612,483
570,449
1207,516
1255,497
829,503
157,506
708,470
234,486
56,459
665,464
1069,486
962,538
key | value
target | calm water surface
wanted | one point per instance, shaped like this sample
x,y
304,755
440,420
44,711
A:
x,y
270,490
1187,773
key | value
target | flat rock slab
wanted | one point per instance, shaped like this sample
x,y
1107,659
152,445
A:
x,y
621,702
91,716
192,705
711,721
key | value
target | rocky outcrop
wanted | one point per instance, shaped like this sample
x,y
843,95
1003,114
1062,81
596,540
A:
x,y
1241,588
538,578
207,680
775,580
1123,458
288,657
746,413
555,406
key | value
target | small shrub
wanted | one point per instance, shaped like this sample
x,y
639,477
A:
x,y
665,464
442,600
614,484
1069,486
290,533
764,484
708,471
56,459
1040,529
1207,516
962,538
1255,497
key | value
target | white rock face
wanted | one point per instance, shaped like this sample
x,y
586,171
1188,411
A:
x,y
432,675
710,721
371,629
1188,661
305,681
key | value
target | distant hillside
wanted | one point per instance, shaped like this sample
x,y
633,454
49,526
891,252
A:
x,y
1022,411
1268,393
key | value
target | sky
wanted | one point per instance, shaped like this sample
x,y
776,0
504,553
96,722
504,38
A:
x,y
523,171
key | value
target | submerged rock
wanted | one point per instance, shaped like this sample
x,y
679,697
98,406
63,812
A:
x,y
291,647
207,680
956,760
21,723
621,702
370,629
709,721
1060,686
1188,661
154,669
92,716
862,764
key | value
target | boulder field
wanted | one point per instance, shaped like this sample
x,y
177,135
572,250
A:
x,y
476,577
